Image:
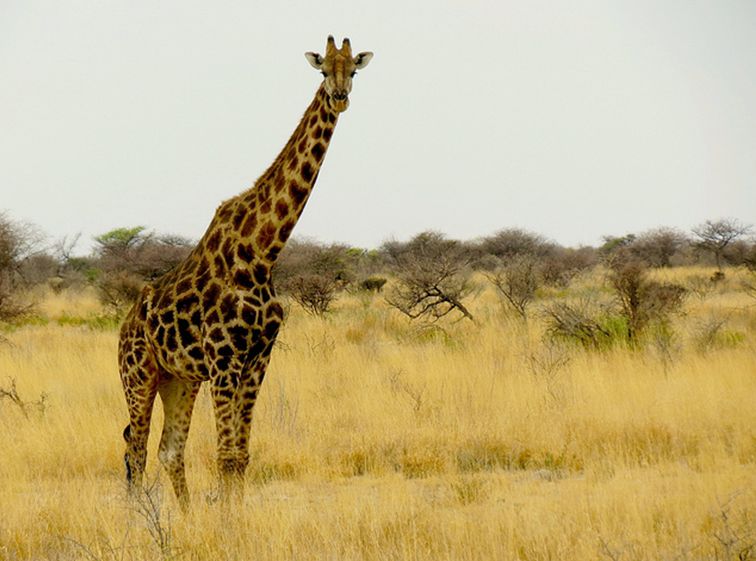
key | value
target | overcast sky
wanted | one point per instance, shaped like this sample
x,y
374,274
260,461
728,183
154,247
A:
x,y
571,119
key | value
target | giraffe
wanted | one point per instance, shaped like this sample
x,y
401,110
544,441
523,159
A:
x,y
215,317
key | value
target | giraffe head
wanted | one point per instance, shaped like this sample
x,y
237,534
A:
x,y
338,67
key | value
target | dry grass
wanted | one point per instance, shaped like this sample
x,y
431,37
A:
x,y
376,440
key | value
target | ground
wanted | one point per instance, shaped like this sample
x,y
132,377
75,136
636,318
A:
x,y
373,439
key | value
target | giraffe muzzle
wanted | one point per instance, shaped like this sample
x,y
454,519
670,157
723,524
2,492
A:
x,y
340,102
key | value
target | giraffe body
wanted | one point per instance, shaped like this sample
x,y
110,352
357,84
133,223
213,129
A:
x,y
215,317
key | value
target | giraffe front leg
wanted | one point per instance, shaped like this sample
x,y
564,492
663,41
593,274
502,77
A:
x,y
178,399
234,404
235,381
232,460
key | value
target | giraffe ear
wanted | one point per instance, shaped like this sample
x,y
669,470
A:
x,y
362,60
315,60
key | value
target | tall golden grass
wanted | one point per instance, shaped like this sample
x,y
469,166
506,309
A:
x,y
374,439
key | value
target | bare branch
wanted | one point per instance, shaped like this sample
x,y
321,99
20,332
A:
x,y
432,277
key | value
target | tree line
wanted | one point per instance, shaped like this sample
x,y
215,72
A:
x,y
430,272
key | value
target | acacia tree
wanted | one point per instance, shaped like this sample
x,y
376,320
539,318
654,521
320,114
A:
x,y
657,247
613,244
139,252
129,257
432,278
516,242
715,235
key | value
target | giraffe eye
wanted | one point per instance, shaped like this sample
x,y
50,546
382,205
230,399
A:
x,y
323,73
353,74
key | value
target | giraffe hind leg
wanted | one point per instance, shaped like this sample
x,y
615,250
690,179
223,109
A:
x,y
135,457
139,377
178,402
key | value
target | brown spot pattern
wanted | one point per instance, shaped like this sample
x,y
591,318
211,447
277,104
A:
x,y
265,235
282,209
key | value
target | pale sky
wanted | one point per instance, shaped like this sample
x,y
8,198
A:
x,y
571,119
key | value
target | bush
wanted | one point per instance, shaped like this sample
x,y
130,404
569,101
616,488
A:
x,y
639,303
313,292
432,277
563,264
641,300
516,282
313,274
38,269
613,244
118,290
557,265
142,253
129,257
658,247
514,242
302,258
741,253
18,244
579,323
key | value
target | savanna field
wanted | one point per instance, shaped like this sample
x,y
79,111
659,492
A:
x,y
376,439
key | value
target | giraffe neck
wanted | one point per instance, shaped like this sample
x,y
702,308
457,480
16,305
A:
x,y
249,230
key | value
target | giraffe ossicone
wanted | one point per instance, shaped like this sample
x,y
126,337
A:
x,y
215,317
